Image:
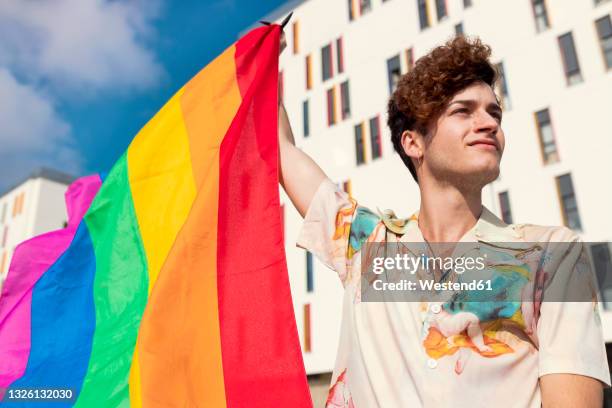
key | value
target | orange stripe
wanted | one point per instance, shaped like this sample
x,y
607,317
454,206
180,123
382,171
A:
x,y
210,102
180,360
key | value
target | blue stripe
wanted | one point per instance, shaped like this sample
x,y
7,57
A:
x,y
63,323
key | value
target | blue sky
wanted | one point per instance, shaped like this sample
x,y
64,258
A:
x,y
79,78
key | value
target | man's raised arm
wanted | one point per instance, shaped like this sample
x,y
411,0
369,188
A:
x,y
299,175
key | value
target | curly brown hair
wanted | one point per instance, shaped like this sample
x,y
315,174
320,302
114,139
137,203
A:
x,y
423,93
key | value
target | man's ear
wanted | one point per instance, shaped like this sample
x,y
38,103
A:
x,y
412,143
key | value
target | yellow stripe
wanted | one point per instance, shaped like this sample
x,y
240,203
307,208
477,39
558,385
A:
x,y
134,382
161,180
163,189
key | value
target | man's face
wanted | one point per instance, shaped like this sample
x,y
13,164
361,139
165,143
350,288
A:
x,y
468,141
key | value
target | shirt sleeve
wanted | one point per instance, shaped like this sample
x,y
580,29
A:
x,y
335,227
569,328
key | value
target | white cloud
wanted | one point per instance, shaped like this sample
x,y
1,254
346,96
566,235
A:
x,y
93,44
31,133
56,51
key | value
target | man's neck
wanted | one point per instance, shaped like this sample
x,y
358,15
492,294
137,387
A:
x,y
446,212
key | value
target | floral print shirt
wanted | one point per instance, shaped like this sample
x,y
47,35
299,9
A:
x,y
425,354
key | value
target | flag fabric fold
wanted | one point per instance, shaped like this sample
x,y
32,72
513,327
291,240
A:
x,y
174,290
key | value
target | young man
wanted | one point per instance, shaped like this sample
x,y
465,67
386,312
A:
x,y
445,123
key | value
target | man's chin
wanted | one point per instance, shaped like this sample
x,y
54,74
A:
x,y
477,178
487,175
472,177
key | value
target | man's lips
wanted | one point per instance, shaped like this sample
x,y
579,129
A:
x,y
485,143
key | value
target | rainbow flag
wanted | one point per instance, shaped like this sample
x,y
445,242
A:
x,y
173,290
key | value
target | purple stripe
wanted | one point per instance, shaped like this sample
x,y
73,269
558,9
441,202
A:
x,y
30,261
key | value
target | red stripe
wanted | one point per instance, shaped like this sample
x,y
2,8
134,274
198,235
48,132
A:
x,y
262,362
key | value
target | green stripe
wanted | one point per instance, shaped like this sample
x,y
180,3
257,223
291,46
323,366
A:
x,y
120,290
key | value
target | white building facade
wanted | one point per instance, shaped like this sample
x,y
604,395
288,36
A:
x,y
341,62
32,207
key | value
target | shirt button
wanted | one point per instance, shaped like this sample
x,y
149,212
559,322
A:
x,y
432,363
436,309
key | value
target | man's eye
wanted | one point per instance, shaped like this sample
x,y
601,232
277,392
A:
x,y
461,110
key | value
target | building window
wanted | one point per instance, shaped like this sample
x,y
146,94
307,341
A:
x,y
331,106
364,7
359,144
540,14
306,118
340,55
502,87
15,199
2,263
441,9
347,187
307,333
570,59
459,29
309,273
327,62
351,10
4,236
18,204
296,37
548,145
308,72
504,206
569,206
345,100
281,87
3,213
375,139
423,14
600,253
409,58
604,32
467,3
394,72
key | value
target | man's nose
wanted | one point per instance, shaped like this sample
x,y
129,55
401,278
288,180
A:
x,y
486,122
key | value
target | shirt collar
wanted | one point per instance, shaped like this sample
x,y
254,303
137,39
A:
x,y
488,228
489,231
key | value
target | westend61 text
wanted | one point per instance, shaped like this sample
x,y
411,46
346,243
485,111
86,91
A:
x,y
412,264
431,285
